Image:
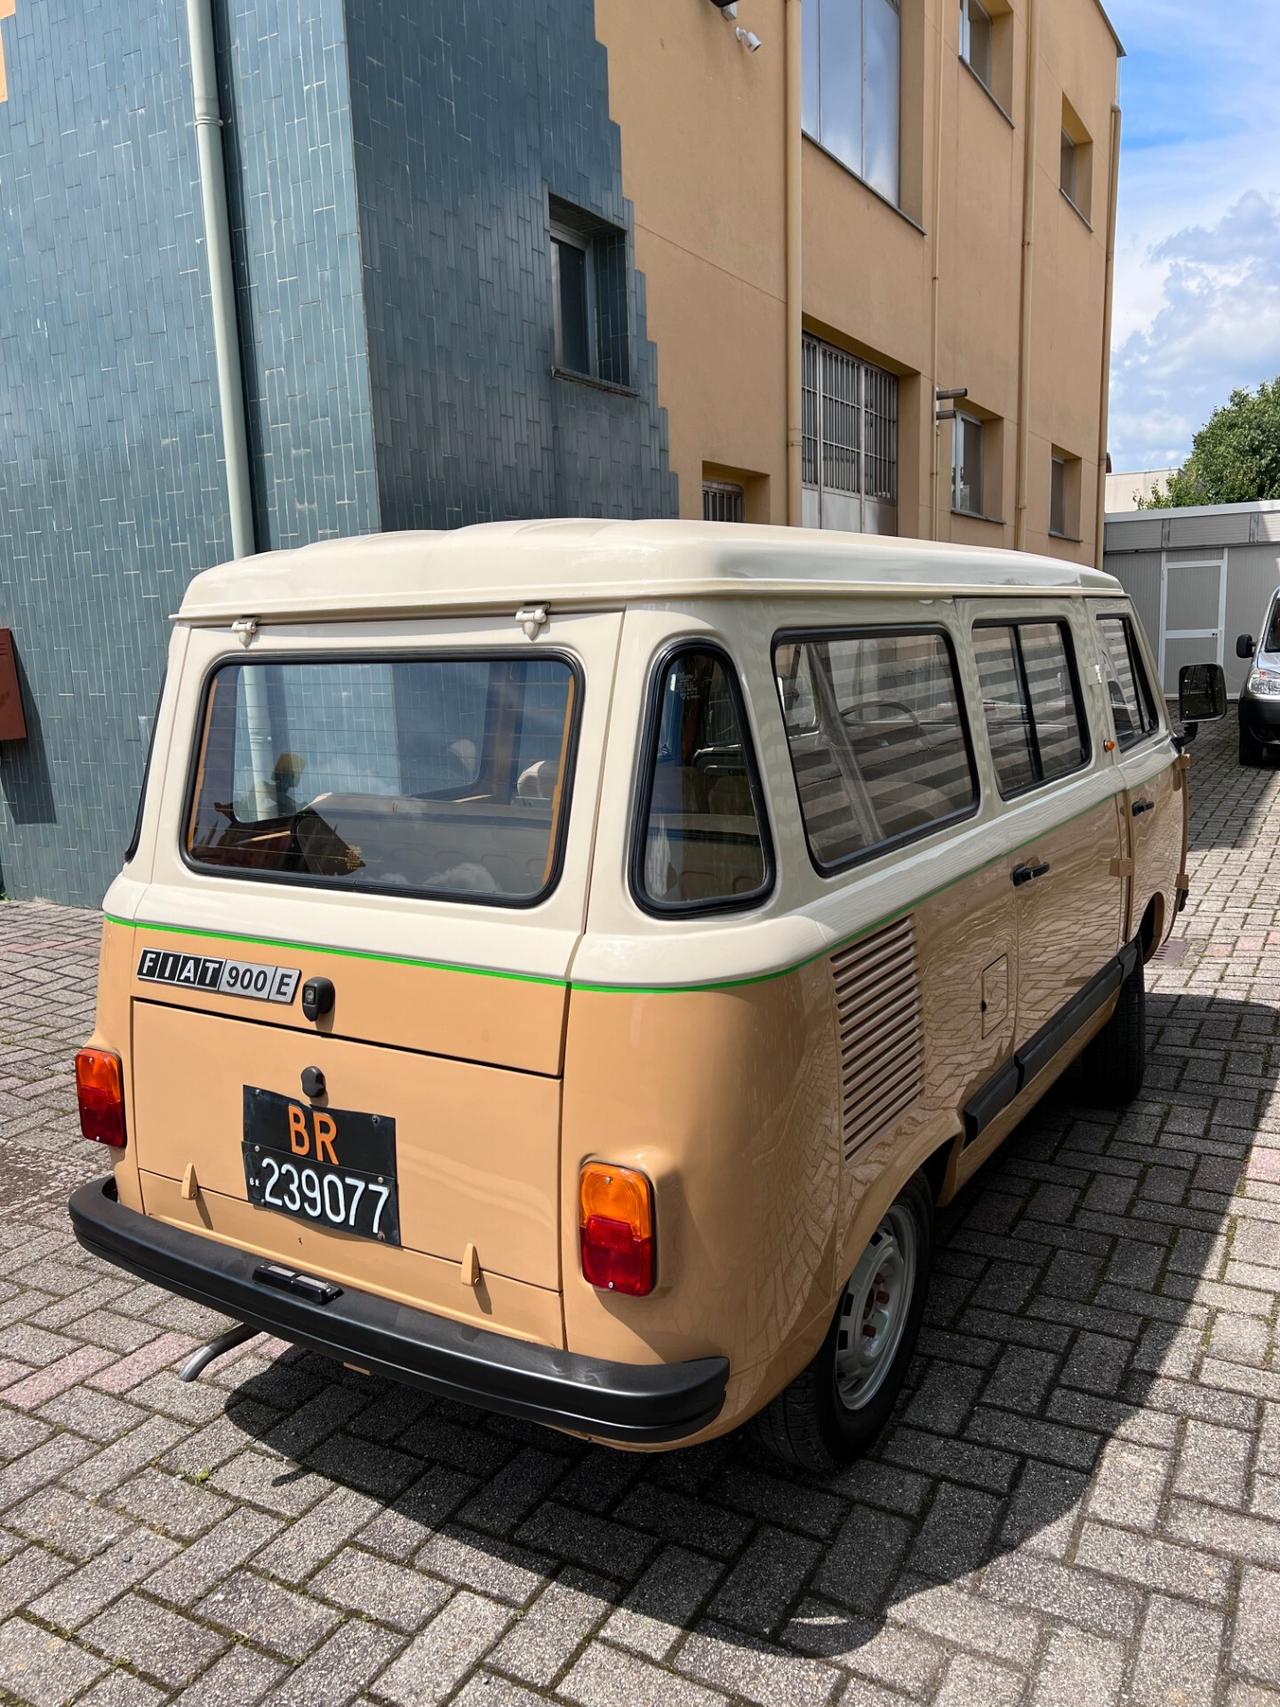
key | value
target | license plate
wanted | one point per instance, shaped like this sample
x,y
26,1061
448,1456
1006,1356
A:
x,y
333,1167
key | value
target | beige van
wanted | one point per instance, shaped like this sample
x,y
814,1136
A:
x,y
563,964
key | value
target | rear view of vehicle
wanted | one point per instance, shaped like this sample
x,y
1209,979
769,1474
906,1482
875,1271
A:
x,y
1259,707
329,1048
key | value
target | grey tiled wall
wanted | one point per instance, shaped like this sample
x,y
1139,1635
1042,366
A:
x,y
463,127
388,172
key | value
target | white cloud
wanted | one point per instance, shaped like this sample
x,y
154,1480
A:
x,y
1197,257
1216,326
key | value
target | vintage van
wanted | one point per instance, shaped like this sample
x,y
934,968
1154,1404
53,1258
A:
x,y
563,964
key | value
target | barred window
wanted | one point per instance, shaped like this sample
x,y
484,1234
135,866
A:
x,y
722,501
878,738
1031,703
850,421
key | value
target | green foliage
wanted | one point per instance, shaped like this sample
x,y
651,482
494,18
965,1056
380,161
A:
x,y
1235,457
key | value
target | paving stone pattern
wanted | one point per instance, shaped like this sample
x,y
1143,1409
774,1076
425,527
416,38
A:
x,y
1078,1501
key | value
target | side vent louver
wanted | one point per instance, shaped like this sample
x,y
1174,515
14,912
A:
x,y
878,1011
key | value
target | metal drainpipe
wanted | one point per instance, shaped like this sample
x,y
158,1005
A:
x,y
226,345
222,292
1028,257
1104,416
793,107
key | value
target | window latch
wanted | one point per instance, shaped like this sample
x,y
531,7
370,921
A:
x,y
533,619
245,627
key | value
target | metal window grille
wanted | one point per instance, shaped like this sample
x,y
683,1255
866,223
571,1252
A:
x,y
722,501
850,424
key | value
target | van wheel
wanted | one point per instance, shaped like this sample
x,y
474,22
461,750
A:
x,y
835,1408
1115,1062
1250,750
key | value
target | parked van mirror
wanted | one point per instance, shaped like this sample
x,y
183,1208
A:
x,y
1202,696
1245,646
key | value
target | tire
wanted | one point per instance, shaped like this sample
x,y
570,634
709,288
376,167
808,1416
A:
x,y
835,1408
1115,1063
1250,750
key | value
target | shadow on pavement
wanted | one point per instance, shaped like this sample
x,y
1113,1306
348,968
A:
x,y
1055,1339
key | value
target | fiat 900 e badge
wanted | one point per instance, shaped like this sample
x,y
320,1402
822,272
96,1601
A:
x,y
220,977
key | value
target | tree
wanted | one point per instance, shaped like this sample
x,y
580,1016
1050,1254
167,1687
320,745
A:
x,y
1235,457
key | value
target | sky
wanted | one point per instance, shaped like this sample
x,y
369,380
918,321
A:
x,y
1197,294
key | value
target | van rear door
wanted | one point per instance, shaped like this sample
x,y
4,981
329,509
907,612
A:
x,y
349,960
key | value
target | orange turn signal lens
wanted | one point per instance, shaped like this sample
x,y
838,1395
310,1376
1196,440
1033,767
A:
x,y
99,1090
615,1228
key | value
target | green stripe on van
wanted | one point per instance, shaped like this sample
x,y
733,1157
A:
x,y
618,989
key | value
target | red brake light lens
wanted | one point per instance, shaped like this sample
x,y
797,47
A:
x,y
99,1089
615,1229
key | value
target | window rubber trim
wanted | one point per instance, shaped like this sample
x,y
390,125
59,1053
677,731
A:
x,y
798,636
295,880
646,775
135,840
1077,694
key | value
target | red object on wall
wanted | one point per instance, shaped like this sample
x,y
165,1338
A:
x,y
13,725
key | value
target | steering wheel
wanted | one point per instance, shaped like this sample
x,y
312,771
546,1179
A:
x,y
857,714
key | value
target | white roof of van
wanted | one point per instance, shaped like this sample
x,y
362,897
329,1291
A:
x,y
586,563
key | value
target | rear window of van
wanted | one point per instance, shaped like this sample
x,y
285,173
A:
x,y
443,776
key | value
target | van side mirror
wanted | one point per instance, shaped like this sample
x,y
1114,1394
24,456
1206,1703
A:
x,y
1245,646
1202,698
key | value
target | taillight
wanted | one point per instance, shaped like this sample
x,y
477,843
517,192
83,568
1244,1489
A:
x,y
615,1228
100,1092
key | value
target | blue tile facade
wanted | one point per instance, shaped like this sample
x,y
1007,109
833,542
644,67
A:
x,y
389,168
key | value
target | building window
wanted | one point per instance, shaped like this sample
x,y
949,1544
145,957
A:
x,y
589,295
1064,496
966,470
976,40
850,443
1076,171
722,501
852,86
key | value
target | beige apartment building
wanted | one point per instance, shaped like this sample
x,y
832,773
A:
x,y
883,203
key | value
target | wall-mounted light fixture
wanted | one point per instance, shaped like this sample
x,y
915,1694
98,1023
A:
x,y
749,39
728,7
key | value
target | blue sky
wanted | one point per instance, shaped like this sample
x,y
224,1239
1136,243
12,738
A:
x,y
1197,304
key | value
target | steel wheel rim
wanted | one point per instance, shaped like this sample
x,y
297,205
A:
x,y
873,1312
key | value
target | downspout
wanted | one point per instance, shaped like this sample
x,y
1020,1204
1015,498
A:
x,y
1028,257
794,119
226,346
1104,414
222,292
931,401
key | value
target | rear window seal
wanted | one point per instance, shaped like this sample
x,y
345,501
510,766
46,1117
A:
x,y
135,840
646,775
871,631
470,655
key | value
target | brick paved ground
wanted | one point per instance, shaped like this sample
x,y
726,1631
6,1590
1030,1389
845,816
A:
x,y
1078,1504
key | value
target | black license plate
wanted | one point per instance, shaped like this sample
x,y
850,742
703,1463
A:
x,y
333,1167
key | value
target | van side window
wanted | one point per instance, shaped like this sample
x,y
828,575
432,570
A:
x,y
1133,709
704,841
1031,702
878,738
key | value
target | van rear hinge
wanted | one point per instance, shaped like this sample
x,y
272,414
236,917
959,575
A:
x,y
533,618
246,627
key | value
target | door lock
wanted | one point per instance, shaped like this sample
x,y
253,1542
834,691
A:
x,y
317,998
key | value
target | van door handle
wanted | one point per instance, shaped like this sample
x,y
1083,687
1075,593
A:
x,y
1027,873
1141,806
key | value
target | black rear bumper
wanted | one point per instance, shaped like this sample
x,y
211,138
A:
x,y
644,1404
